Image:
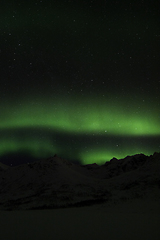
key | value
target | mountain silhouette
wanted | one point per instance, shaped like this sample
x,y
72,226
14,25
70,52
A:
x,y
56,182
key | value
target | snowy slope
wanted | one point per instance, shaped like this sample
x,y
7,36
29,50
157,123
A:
x,y
55,182
3,166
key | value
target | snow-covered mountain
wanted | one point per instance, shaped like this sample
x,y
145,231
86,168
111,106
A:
x,y
55,182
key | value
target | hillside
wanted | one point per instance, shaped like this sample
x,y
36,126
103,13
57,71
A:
x,y
55,182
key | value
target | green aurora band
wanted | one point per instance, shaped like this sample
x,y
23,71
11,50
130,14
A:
x,y
80,119
72,149
91,118
104,155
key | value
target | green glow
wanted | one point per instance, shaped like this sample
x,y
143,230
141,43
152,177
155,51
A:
x,y
97,156
36,148
89,131
100,156
91,118
87,155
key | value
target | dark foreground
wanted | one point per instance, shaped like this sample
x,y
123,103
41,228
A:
x,y
131,220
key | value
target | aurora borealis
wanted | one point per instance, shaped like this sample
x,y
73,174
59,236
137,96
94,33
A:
x,y
79,79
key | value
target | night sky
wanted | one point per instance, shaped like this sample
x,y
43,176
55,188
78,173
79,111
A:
x,y
79,79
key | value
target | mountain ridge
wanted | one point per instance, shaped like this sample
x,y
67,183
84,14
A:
x,y
55,182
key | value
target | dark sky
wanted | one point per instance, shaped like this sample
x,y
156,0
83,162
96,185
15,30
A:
x,y
79,79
